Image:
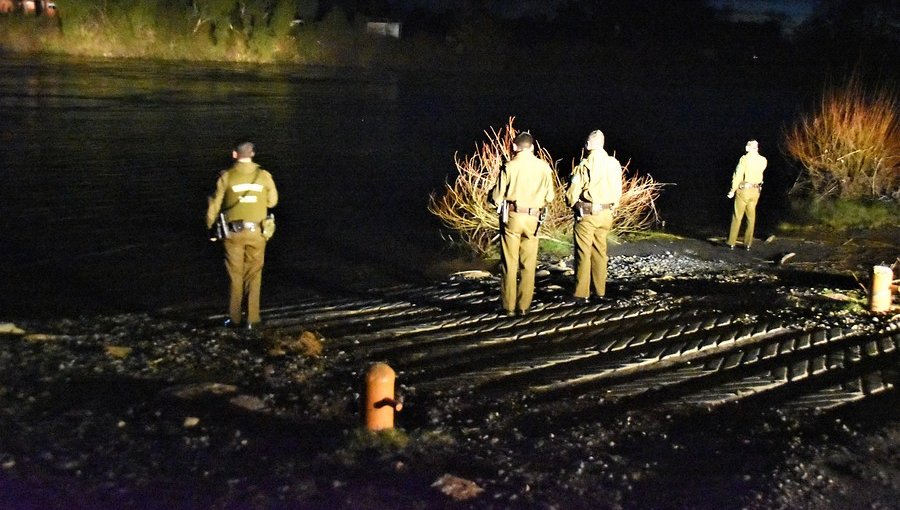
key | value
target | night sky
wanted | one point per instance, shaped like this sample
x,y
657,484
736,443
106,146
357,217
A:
x,y
797,10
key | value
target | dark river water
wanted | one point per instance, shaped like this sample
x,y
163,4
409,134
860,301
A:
x,y
106,166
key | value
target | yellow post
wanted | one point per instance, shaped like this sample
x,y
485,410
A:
x,y
880,294
380,402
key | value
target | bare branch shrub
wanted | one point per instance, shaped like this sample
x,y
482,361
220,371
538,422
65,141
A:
x,y
464,205
637,208
850,147
464,208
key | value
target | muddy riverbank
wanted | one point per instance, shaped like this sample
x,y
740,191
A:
x,y
710,379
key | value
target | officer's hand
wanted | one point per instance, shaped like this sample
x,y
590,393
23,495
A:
x,y
730,194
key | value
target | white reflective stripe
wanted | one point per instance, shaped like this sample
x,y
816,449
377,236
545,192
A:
x,y
238,188
249,199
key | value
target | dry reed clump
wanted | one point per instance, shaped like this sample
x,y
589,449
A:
x,y
637,208
850,146
464,207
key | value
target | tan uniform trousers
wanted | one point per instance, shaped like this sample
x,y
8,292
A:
x,y
591,258
519,245
244,257
744,204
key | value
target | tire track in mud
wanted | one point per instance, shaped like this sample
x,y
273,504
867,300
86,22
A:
x,y
569,360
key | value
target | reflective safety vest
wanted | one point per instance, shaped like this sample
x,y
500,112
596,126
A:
x,y
245,196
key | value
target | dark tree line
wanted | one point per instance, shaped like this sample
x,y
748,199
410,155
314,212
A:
x,y
844,30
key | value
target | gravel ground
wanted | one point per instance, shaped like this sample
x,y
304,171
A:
x,y
162,411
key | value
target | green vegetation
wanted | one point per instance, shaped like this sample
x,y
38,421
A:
x,y
383,441
364,444
556,248
842,214
219,30
652,235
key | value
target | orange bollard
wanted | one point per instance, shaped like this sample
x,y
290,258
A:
x,y
380,402
880,294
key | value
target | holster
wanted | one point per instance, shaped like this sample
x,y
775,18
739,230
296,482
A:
x,y
268,226
219,230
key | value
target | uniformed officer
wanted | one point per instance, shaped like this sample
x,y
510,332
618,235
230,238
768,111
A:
x,y
593,193
244,193
524,188
746,185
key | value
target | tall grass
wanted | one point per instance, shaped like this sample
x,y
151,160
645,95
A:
x,y
219,30
850,146
463,207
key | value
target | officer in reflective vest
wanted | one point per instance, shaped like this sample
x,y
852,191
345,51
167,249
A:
x,y
525,186
244,193
746,185
593,193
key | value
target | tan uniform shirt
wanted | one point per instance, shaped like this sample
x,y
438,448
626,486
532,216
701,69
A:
x,y
247,198
750,169
526,180
597,179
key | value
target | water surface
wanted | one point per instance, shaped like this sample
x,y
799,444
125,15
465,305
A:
x,y
107,165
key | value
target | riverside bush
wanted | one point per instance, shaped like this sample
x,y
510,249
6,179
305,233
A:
x,y
463,207
849,147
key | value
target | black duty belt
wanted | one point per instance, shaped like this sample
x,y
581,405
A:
x,y
241,225
592,208
524,210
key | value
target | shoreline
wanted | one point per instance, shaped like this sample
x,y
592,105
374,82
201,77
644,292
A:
x,y
838,256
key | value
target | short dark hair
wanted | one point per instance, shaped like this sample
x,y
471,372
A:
x,y
523,140
245,150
